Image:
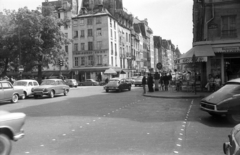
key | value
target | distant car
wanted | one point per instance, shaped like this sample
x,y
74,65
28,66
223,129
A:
x,y
117,85
89,82
9,93
138,81
26,85
51,87
11,128
71,82
233,146
225,101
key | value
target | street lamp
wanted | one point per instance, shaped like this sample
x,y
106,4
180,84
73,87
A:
x,y
194,60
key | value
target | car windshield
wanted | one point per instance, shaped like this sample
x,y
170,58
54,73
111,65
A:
x,y
48,82
114,82
20,83
230,88
139,78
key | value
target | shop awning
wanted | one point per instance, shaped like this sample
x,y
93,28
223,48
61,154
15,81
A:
x,y
201,52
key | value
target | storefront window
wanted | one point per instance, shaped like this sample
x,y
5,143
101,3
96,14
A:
x,y
216,67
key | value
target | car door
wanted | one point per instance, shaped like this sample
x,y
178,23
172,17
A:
x,y
8,90
29,87
58,87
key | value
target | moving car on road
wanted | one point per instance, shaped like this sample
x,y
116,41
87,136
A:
x,y
9,93
118,85
71,83
225,101
138,81
89,82
26,85
51,87
10,129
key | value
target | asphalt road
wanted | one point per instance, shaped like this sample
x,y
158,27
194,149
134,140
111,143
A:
x,y
90,121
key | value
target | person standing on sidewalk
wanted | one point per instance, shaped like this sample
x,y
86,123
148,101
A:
x,y
166,81
150,83
144,82
157,78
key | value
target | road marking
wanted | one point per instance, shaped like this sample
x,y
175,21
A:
x,y
73,130
181,134
41,145
64,134
87,123
80,127
179,138
175,152
53,139
27,152
94,120
178,145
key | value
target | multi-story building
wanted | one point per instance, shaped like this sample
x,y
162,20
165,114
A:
x,y
65,10
216,41
102,40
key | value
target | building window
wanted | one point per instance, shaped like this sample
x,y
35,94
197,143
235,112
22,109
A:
x,y
115,49
75,34
111,48
90,60
126,37
114,25
81,22
90,45
76,61
82,61
116,61
99,45
99,32
59,15
82,34
89,32
115,35
76,47
110,22
82,46
99,59
112,61
98,20
66,49
75,23
229,28
89,21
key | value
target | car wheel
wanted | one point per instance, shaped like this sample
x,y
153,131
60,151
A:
x,y
234,118
35,96
65,92
226,148
14,98
51,95
24,96
5,145
75,86
107,90
129,88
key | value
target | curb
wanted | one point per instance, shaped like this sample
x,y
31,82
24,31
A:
x,y
175,97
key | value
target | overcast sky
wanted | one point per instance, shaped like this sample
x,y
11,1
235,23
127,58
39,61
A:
x,y
170,19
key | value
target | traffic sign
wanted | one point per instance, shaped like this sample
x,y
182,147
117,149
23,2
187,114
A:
x,y
159,65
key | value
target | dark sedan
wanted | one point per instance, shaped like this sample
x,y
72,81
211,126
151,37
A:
x,y
89,82
117,85
225,101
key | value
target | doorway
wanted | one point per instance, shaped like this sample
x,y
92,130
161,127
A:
x,y
231,68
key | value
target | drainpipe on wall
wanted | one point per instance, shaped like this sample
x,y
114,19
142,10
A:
x,y
206,24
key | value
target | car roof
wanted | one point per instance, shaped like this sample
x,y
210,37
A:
x,y
234,81
27,80
53,79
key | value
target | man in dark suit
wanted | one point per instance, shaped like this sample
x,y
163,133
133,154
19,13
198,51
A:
x,y
144,82
150,83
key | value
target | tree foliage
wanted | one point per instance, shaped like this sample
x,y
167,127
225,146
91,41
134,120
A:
x,y
32,39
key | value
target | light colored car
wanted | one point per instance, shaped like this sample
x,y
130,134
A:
x,y
9,93
26,85
89,82
71,82
51,87
138,81
11,129
118,85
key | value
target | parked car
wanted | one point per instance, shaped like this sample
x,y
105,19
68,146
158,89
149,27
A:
x,y
51,87
225,101
138,81
71,82
117,85
11,129
9,93
89,82
26,85
233,146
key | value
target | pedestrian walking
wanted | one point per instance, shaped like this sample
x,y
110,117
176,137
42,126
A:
x,y
150,83
144,82
106,81
156,78
166,81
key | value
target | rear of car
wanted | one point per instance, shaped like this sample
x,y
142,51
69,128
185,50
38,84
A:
x,y
71,82
138,81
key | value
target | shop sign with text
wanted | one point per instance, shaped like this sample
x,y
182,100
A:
x,y
189,60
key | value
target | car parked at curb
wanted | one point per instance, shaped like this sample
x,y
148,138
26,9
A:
x,y
89,82
11,129
26,85
9,93
225,101
138,81
118,84
50,88
71,83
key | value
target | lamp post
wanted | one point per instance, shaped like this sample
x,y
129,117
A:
x,y
194,60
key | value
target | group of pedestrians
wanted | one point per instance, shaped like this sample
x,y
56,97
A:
x,y
161,81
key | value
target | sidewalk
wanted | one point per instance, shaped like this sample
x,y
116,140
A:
x,y
176,95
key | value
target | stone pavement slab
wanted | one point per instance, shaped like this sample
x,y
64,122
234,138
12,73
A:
x,y
175,94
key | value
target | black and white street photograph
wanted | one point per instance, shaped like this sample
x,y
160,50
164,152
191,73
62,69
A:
x,y
119,77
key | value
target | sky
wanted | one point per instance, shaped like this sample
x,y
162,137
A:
x,y
170,19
